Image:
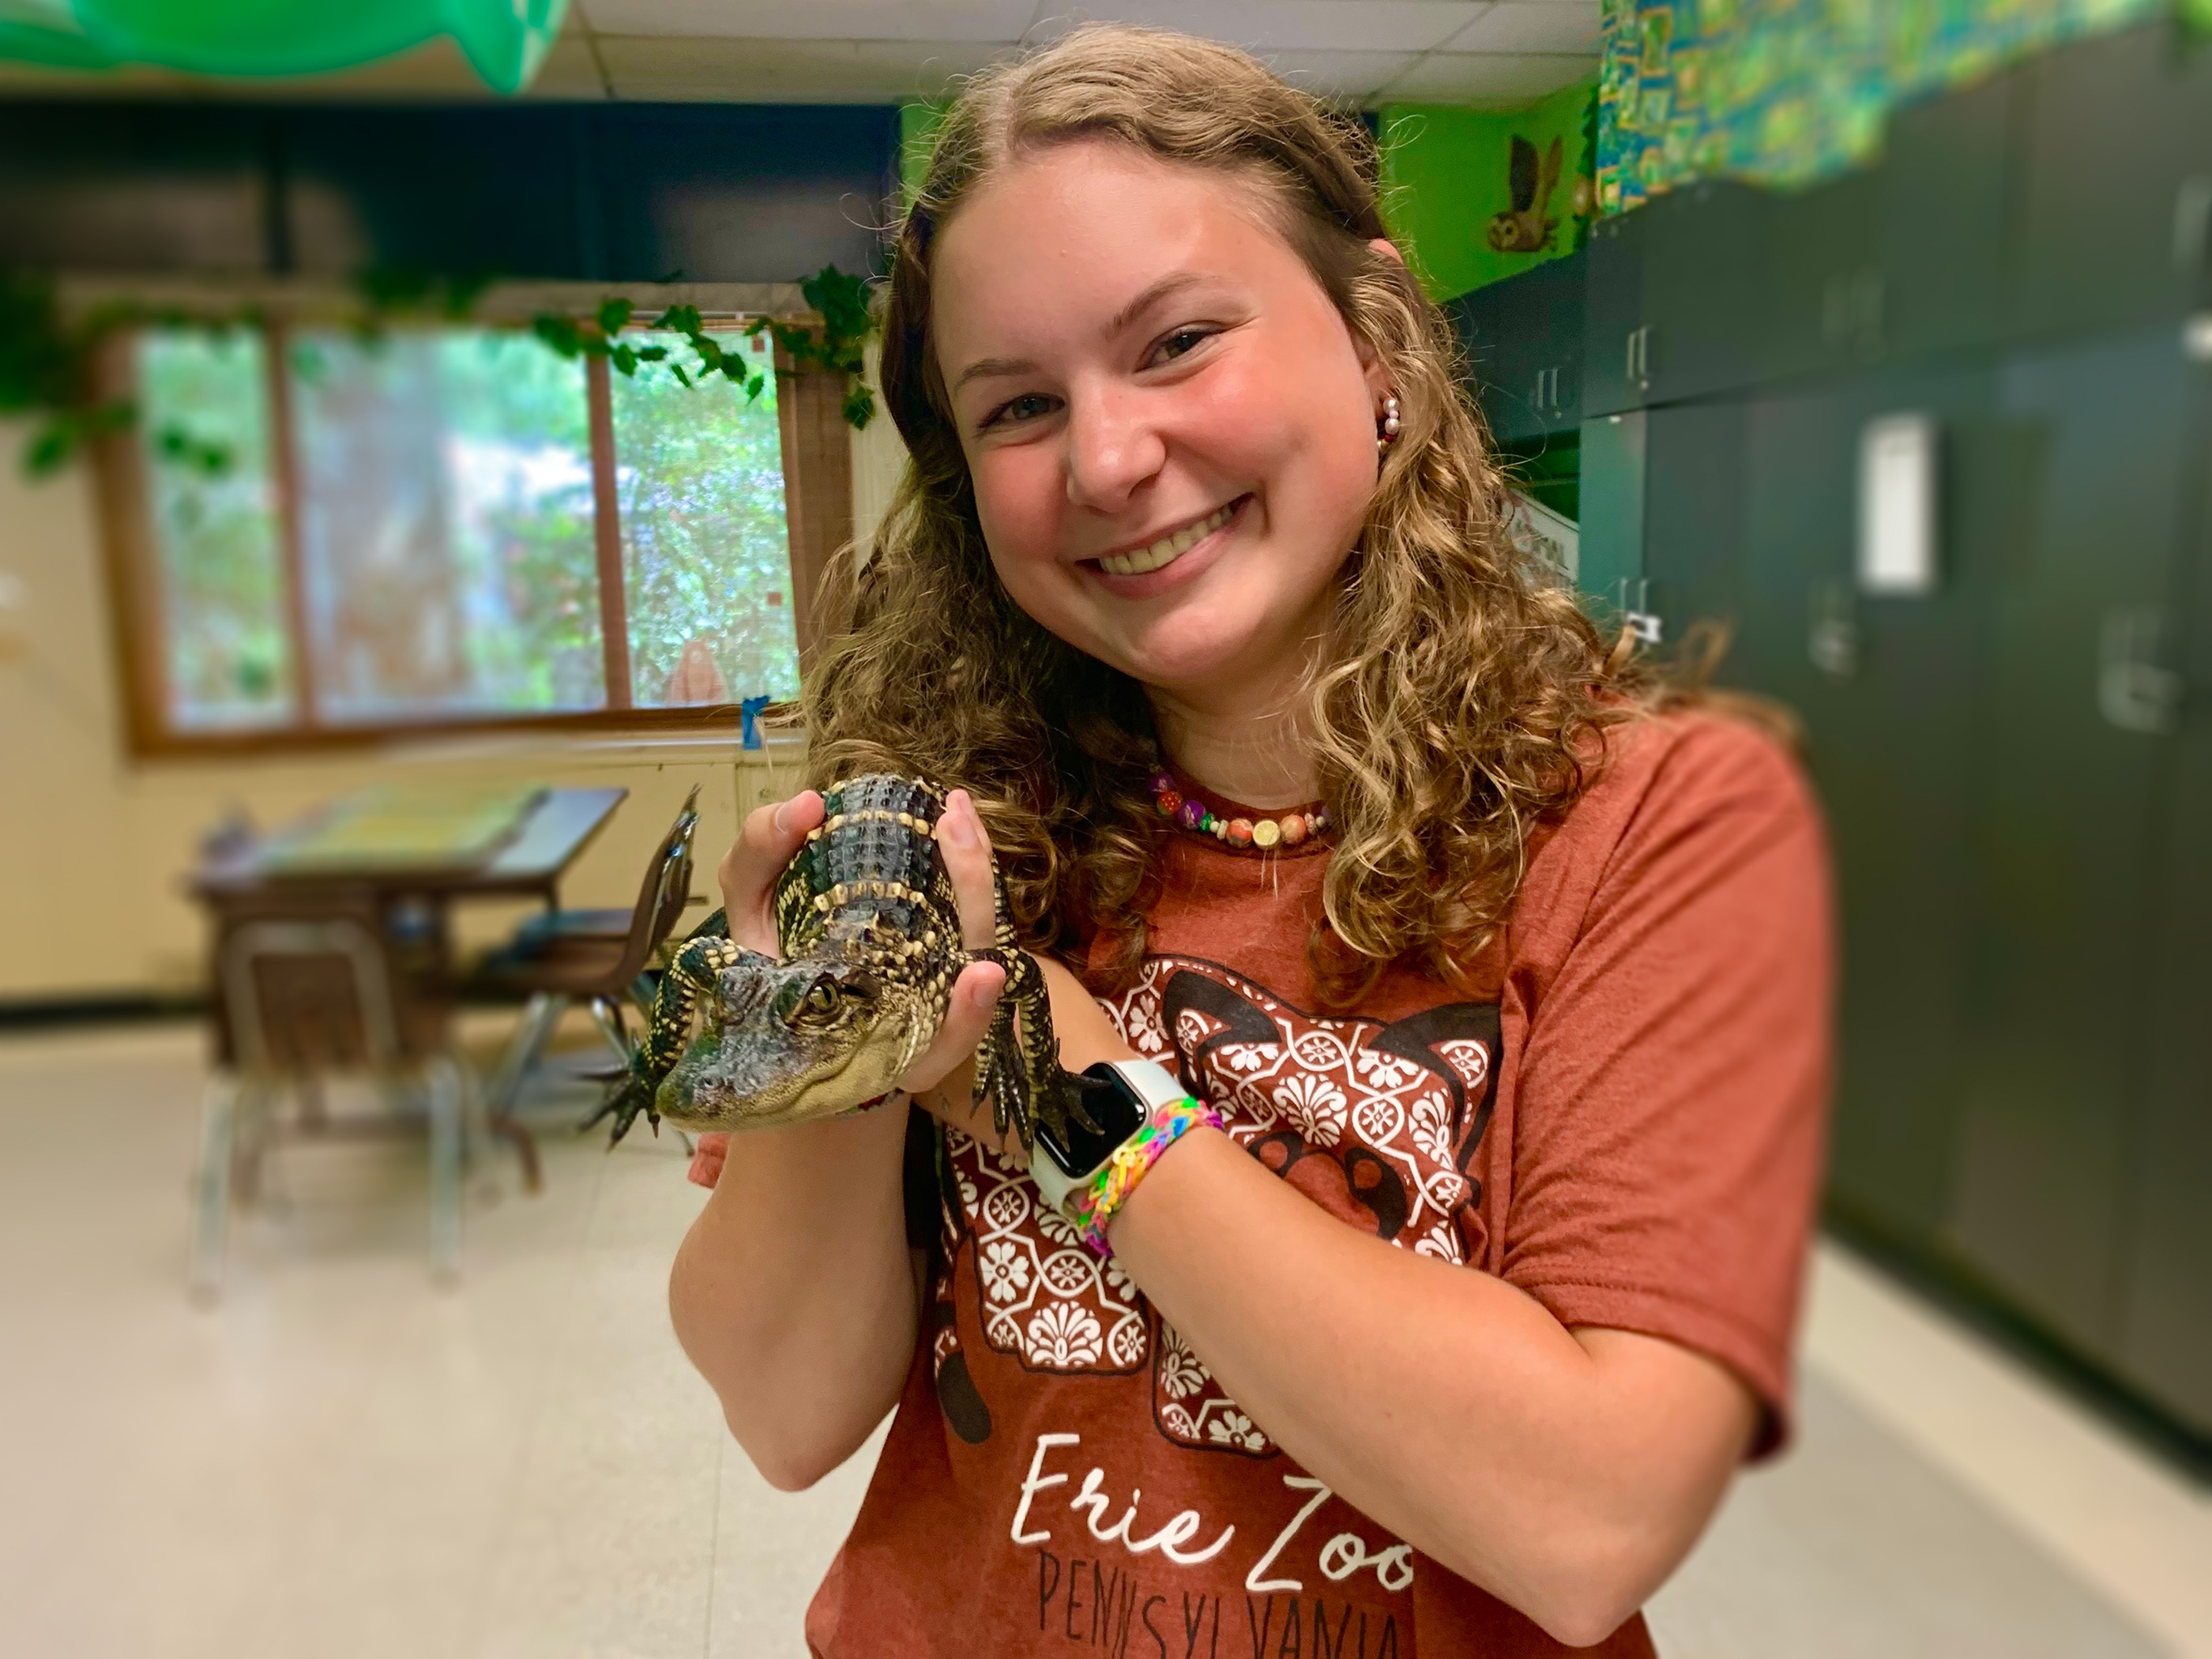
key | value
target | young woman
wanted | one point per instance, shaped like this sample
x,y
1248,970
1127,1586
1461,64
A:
x,y
1498,980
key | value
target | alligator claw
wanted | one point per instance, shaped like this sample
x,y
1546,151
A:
x,y
632,1094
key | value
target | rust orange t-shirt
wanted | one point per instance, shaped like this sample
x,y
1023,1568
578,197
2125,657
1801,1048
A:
x,y
1622,1116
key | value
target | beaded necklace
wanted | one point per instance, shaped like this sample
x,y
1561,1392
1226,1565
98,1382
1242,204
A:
x,y
1287,830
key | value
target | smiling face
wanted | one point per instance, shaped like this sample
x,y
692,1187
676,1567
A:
x,y
1170,427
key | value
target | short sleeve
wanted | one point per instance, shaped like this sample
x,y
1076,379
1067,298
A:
x,y
1674,1084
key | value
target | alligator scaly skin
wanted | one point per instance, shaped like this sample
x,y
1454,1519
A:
x,y
869,931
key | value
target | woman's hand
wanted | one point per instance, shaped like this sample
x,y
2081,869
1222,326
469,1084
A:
x,y
945,1087
773,835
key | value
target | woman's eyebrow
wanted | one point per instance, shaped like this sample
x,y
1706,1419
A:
x,y
987,368
1174,283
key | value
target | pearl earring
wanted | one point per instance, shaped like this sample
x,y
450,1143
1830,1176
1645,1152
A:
x,y
1386,429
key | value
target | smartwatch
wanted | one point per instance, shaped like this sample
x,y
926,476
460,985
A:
x,y
1122,1097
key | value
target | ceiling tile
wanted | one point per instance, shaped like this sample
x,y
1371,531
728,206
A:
x,y
1561,26
1352,74
816,20
1356,26
1487,80
788,71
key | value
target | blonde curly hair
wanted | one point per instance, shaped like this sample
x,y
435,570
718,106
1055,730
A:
x,y
1457,696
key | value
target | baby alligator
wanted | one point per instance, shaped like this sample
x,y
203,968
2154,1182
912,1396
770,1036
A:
x,y
869,932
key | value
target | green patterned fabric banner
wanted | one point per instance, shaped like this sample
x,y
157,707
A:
x,y
1788,92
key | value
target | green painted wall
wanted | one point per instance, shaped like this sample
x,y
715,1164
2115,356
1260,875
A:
x,y
917,128
1445,172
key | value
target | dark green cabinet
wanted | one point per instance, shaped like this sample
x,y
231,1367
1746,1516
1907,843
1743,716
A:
x,y
1693,500
1522,342
1675,289
2116,226
2166,1309
1826,289
2069,778
1706,256
1616,343
1887,690
1947,220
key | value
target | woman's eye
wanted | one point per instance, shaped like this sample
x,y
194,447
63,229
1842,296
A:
x,y
1181,342
1027,407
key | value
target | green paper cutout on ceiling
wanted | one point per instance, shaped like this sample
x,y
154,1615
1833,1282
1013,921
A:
x,y
504,40
1788,92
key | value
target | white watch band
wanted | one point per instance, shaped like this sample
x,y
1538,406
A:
x,y
1153,1084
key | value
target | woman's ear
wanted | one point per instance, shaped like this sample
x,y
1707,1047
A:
x,y
1370,361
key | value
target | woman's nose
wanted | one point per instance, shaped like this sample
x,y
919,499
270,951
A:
x,y
1112,449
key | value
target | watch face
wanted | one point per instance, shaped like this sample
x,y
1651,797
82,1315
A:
x,y
1113,1107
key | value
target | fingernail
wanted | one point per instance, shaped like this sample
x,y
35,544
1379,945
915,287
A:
x,y
780,819
983,995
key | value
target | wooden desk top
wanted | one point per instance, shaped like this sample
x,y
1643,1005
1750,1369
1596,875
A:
x,y
557,829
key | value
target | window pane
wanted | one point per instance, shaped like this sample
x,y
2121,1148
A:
x,y
204,424
706,556
445,525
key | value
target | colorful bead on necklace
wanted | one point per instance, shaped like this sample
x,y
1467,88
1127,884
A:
x,y
1192,814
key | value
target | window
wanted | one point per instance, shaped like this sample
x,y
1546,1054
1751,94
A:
x,y
321,535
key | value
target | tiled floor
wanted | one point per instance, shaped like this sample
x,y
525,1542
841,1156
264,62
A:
x,y
340,1459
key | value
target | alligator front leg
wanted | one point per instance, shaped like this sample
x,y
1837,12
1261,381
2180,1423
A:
x,y
694,973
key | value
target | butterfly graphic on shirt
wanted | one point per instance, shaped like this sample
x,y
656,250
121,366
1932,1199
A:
x,y
1378,1122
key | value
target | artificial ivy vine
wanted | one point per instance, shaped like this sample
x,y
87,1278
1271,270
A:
x,y
47,359
46,373
842,302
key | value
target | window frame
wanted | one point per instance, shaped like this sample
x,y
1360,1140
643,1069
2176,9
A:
x,y
816,444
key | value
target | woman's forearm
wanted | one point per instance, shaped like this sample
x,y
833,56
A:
x,y
794,1295
1565,1472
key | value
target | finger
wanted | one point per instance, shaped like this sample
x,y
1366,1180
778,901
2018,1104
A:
x,y
771,835
967,1018
967,848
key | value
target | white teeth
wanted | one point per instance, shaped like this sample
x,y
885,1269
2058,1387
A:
x,y
1168,549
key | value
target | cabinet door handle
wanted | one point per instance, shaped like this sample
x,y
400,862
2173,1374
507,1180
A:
x,y
2135,691
2192,224
1639,358
1832,641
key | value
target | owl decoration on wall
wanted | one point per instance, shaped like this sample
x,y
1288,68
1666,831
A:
x,y
1528,226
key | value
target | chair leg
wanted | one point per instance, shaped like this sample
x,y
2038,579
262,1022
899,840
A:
x,y
447,1108
485,1121
211,1184
607,1014
532,1033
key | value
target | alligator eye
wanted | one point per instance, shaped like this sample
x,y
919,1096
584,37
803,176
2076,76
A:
x,y
813,1006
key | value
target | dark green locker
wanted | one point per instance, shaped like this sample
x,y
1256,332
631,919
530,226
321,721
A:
x,y
1614,336
1947,219
2166,1335
1674,292
1824,301
1611,554
1522,338
1886,690
2069,772
1693,517
1704,280
2118,170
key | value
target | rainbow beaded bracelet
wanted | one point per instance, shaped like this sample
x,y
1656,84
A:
x,y
1093,1206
